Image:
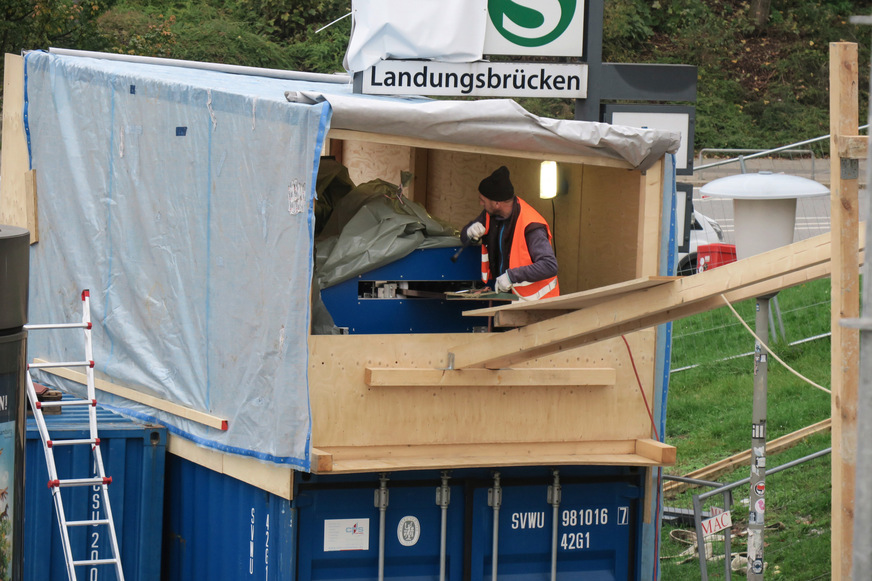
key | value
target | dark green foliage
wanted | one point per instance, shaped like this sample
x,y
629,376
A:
x,y
758,87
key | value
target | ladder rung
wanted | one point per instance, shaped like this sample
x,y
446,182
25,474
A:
x,y
58,326
95,562
60,404
86,523
52,443
61,364
80,482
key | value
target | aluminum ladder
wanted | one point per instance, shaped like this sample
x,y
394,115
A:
x,y
100,482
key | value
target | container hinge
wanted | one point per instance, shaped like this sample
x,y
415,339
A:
x,y
495,494
555,491
382,493
443,493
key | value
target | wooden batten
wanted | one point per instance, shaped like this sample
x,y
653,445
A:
x,y
139,396
345,460
14,164
274,478
409,377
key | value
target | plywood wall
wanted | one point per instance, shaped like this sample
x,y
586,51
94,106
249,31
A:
x,y
14,162
346,412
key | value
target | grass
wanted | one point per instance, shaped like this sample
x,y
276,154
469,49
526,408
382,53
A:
x,y
709,418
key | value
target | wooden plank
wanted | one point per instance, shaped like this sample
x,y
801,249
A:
x,y
521,318
140,397
350,135
273,478
845,303
577,300
419,166
853,146
394,458
715,470
528,376
31,205
649,221
507,349
14,161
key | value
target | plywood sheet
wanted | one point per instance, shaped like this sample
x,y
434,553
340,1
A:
x,y
13,158
609,224
369,161
347,412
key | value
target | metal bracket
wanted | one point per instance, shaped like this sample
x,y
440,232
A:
x,y
850,168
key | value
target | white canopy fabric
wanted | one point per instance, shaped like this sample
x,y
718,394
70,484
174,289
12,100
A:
x,y
500,123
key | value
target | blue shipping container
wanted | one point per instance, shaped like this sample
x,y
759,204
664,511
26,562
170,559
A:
x,y
134,456
219,527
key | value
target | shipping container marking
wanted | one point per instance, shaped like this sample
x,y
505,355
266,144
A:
x,y
586,517
528,520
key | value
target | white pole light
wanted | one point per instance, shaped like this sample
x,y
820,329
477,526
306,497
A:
x,y
764,207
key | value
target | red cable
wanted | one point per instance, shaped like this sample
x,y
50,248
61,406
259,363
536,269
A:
x,y
660,470
642,391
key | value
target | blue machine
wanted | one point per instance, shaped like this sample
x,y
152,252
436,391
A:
x,y
408,295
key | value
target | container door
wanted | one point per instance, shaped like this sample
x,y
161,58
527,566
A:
x,y
597,531
339,533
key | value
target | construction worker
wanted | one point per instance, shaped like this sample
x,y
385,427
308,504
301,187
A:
x,y
516,251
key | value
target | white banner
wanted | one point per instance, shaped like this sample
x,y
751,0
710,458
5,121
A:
x,y
480,79
446,30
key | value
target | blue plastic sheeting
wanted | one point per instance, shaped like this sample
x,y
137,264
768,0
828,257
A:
x,y
183,200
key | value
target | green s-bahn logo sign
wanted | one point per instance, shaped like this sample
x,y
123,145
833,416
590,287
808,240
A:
x,y
541,27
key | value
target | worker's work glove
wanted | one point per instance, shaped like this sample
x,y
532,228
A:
x,y
503,283
475,231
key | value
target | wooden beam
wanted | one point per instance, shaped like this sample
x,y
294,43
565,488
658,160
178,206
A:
x,y
31,205
274,478
522,318
578,300
548,337
321,461
451,456
662,454
853,146
726,465
845,302
14,163
140,397
349,135
523,377
649,222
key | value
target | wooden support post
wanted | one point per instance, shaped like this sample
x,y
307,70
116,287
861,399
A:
x,y
844,185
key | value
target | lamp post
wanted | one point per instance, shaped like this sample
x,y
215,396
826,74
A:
x,y
764,214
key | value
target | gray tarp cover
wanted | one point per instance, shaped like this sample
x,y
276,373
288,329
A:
x,y
499,123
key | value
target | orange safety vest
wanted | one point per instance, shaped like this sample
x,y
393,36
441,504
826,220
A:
x,y
519,255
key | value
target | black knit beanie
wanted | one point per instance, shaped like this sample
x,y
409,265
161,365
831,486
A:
x,y
497,186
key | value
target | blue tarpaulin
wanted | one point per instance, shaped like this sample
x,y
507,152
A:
x,y
182,200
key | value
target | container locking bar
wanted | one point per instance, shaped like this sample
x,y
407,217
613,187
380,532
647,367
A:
x,y
443,499
381,503
495,500
554,493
